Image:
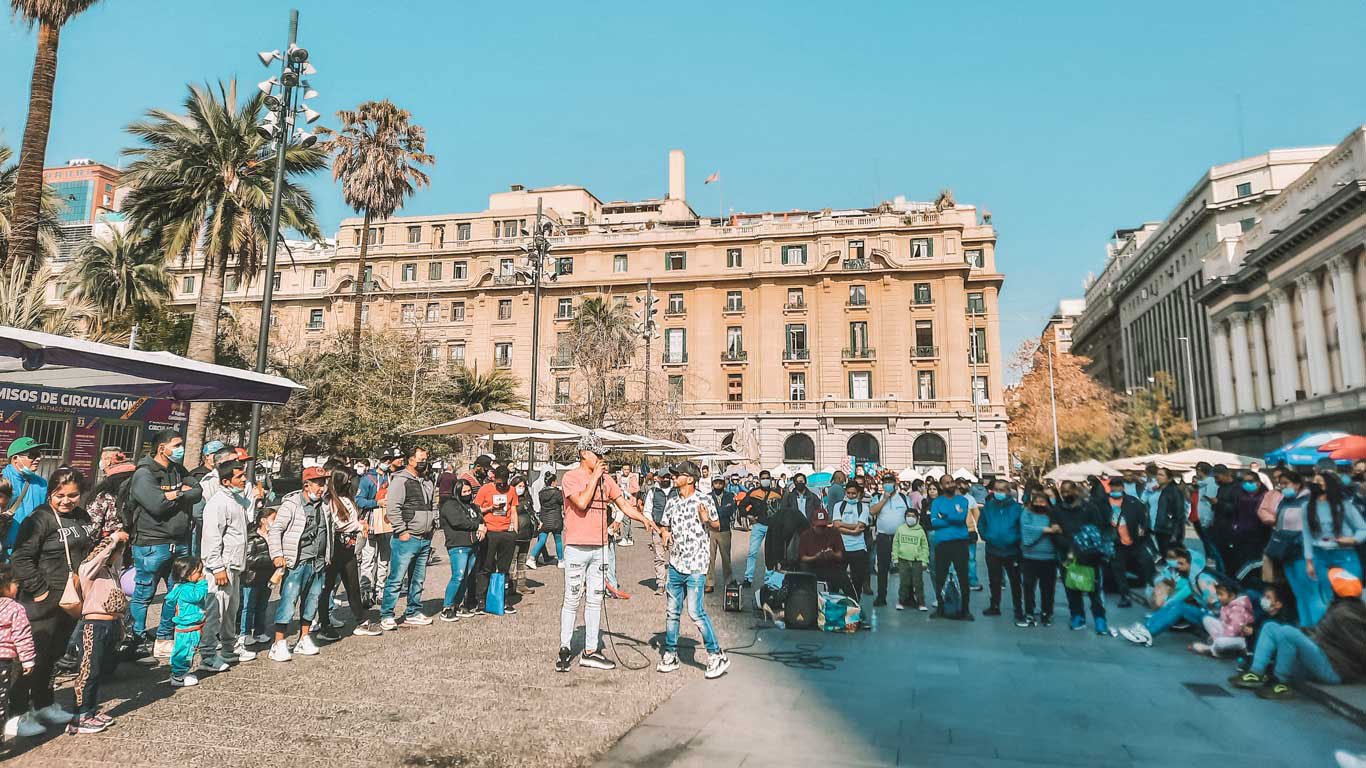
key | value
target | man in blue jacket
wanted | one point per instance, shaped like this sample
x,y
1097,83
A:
x,y
949,516
28,487
1000,529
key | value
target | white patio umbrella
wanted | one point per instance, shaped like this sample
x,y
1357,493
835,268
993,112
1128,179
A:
x,y
963,473
1186,460
488,423
908,475
1080,471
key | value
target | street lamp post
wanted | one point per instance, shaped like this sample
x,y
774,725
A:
x,y
538,255
647,329
279,128
1190,386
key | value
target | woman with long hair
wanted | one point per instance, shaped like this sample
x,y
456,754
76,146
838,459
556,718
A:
x,y
1287,545
1249,534
350,530
463,528
1333,527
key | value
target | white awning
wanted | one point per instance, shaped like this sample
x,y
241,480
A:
x,y
487,423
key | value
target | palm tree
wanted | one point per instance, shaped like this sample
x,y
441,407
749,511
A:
x,y
122,274
602,339
202,182
377,154
50,16
49,205
492,391
24,304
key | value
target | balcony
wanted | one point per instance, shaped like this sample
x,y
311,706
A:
x,y
856,304
734,309
507,280
735,356
561,359
859,353
796,355
862,407
672,312
856,265
922,301
977,311
313,326
978,359
795,306
676,359
502,362
922,352
565,316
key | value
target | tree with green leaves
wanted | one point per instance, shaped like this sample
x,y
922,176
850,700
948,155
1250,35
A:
x,y
122,275
376,156
49,16
24,304
1086,410
1154,426
476,392
603,342
201,184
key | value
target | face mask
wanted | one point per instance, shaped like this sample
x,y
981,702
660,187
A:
x,y
911,521
422,467
889,488
1116,494
1000,495
799,484
1172,564
765,483
521,491
1289,493
1041,509
1069,498
1265,602
312,496
178,454
1250,487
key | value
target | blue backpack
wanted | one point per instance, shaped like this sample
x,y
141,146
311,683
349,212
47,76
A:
x,y
1089,547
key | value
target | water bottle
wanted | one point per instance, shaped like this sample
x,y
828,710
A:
x,y
872,621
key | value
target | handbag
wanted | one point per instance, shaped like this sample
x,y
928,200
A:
x,y
1283,545
497,594
1080,578
71,599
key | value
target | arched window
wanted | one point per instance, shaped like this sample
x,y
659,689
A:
x,y
864,448
929,448
799,449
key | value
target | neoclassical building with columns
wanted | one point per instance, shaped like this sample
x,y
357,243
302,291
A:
x,y
1285,311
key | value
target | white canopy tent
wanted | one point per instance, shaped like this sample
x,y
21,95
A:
x,y
42,359
1185,461
1080,471
489,423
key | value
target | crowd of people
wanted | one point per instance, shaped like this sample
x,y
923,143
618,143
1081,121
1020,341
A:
x,y
1275,581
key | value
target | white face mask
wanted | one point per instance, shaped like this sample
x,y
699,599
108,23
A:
x,y
1265,602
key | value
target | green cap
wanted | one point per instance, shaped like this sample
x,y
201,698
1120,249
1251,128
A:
x,y
23,445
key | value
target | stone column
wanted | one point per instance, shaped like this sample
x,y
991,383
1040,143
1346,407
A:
x,y
1315,337
1242,364
1259,362
1349,323
1223,378
1287,360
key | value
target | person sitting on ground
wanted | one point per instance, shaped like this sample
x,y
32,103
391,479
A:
x,y
1273,607
1176,597
821,552
911,551
1227,632
1332,652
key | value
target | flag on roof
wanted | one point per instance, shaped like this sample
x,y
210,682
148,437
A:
x,y
716,176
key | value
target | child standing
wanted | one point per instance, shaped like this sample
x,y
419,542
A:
x,y
1227,632
16,640
910,551
254,624
186,601
103,604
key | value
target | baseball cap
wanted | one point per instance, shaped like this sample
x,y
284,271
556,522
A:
x,y
23,445
483,460
237,454
591,443
213,446
688,468
314,473
820,517
1344,583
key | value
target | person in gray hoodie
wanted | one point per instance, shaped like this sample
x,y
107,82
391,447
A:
x,y
409,508
1039,560
223,550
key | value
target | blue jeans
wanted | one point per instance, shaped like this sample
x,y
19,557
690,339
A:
x,y
541,542
1324,559
302,582
757,532
1296,656
407,559
1170,613
252,619
152,564
462,565
687,587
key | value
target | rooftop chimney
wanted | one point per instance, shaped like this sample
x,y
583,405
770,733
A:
x,y
516,188
676,175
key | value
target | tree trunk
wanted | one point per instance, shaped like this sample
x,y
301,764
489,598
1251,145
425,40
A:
x,y
360,290
203,342
28,186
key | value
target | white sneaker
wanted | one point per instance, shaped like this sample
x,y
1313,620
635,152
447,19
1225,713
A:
x,y
717,666
280,651
26,725
306,646
530,564
418,620
244,655
53,714
560,564
188,681
667,662
1138,635
388,625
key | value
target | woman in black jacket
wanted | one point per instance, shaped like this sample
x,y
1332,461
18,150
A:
x,y
463,528
552,520
52,541
1169,527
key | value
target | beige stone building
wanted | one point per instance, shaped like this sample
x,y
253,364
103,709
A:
x,y
799,336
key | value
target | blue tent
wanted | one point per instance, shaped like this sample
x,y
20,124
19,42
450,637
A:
x,y
1303,451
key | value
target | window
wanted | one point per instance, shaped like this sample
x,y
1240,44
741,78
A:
x,y
1246,224
856,250
275,282
796,341
561,391
414,234
922,294
408,313
319,278
433,354
438,236
675,345
974,258
457,311
979,390
735,341
375,236
675,260
735,387
796,386
506,268
977,304
187,284
51,430
502,354
455,353
977,345
734,302
675,305
564,265
315,319
460,270
1244,189
364,313
618,389
505,309
924,385
796,298
858,336
433,311
922,248
434,270
619,263
564,309
858,296
924,337
369,278
675,388
860,385
230,283
618,302
794,254
462,231
733,258
409,273
274,320
509,228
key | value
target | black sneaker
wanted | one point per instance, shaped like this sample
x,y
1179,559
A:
x,y
1021,621
508,610
565,659
329,634
449,614
1046,621
1276,690
992,611
596,660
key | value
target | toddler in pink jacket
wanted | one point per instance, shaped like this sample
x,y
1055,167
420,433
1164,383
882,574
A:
x,y
1228,633
16,639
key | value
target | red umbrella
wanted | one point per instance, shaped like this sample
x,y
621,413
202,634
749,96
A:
x,y
1351,448
1332,445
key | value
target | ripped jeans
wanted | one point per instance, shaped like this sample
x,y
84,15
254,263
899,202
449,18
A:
x,y
687,588
584,567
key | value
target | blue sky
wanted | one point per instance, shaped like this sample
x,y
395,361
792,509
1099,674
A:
x,y
1065,120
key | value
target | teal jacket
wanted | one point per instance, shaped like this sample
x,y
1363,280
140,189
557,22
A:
x,y
187,600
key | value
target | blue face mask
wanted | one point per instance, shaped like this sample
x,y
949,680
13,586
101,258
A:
x,y
1117,494
1000,495
889,488
1251,487
178,454
1171,564
1289,493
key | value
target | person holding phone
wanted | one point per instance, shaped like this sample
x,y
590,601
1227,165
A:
x,y
498,501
